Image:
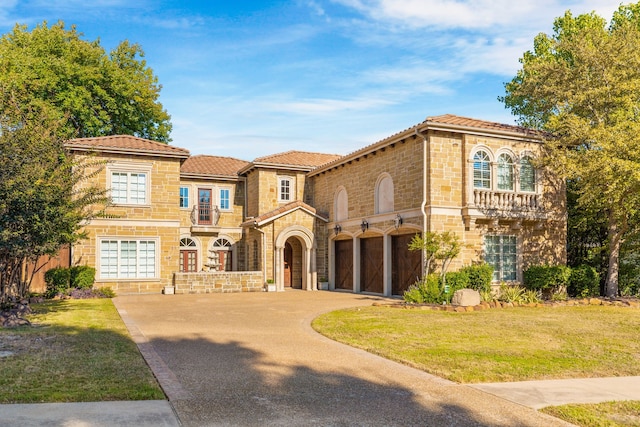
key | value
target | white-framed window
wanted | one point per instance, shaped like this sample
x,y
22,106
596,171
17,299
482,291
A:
x,y
127,259
184,197
501,252
285,188
527,175
482,170
221,255
505,172
129,188
224,200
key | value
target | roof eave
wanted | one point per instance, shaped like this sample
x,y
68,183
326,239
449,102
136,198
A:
x,y
107,150
188,175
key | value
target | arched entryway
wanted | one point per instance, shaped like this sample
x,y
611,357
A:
x,y
295,265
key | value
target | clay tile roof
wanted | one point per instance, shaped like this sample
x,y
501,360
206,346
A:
x,y
298,158
127,144
212,165
451,119
282,210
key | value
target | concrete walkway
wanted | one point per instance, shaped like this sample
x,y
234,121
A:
x,y
253,359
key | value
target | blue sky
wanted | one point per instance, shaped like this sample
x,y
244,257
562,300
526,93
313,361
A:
x,y
250,78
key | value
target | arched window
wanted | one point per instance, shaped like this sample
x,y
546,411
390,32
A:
x,y
220,255
384,194
481,170
527,175
188,255
255,256
341,205
505,172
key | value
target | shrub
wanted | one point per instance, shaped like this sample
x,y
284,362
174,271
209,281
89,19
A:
x,y
530,296
82,276
546,277
480,276
57,280
427,290
583,282
511,293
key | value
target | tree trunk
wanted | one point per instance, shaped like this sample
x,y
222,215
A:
x,y
615,241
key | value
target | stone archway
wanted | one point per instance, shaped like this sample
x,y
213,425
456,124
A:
x,y
301,266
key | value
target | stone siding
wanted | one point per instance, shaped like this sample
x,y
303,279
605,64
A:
x,y
218,282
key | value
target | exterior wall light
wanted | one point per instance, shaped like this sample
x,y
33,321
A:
x,y
337,229
364,226
397,222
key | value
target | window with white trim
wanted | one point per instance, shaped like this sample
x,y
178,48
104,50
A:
x,y
285,188
505,172
501,253
527,175
481,170
127,259
129,188
184,197
224,201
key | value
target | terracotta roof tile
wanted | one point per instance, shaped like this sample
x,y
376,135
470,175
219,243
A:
x,y
213,165
298,158
127,143
297,204
451,119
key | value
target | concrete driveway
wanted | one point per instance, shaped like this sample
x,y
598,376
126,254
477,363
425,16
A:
x,y
252,359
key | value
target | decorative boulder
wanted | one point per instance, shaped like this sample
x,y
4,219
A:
x,y
466,298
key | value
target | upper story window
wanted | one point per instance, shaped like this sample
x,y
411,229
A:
x,y
285,188
527,175
184,197
505,172
224,200
129,188
481,170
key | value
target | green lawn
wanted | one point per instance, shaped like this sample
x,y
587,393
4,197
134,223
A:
x,y
599,415
496,345
77,350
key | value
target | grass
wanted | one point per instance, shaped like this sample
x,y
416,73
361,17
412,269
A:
x,y
599,415
77,351
496,345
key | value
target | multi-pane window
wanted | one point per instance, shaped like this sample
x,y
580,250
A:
x,y
505,172
188,255
481,170
224,199
527,175
127,259
184,197
129,188
284,189
501,254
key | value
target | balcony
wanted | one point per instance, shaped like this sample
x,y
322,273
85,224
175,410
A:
x,y
204,218
509,206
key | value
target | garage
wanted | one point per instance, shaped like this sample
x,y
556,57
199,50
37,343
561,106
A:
x,y
406,265
371,265
344,264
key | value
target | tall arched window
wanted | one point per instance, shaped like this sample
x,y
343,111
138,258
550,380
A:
x,y
527,175
481,170
505,172
188,255
220,255
341,205
384,194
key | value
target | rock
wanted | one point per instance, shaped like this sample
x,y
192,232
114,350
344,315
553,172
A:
x,y
460,309
466,298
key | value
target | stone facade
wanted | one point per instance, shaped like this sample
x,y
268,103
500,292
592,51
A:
x,y
295,217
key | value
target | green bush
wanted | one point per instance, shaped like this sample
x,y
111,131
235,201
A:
x,y
511,293
583,282
57,280
480,276
546,277
428,290
82,276
454,281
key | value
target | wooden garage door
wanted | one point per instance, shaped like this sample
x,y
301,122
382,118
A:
x,y
344,264
406,265
371,265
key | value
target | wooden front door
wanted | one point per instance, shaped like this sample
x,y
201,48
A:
x,y
344,264
288,264
406,265
204,206
371,265
188,261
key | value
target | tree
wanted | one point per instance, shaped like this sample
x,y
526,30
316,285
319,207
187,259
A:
x,y
44,194
95,93
443,247
582,85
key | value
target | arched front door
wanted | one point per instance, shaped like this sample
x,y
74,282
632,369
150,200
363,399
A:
x,y
288,264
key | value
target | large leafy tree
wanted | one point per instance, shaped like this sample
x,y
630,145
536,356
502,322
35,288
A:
x,y
95,92
582,84
44,193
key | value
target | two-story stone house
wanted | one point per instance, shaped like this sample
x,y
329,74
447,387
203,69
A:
x,y
215,224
